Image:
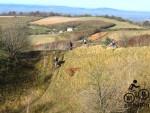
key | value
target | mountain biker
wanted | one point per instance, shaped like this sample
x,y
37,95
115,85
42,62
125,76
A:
x,y
56,61
84,41
71,45
113,44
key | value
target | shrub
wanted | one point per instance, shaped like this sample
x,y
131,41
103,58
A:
x,y
107,41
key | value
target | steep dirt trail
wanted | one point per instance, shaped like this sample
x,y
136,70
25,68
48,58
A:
x,y
55,72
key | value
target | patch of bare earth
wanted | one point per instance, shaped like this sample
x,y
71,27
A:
x,y
97,36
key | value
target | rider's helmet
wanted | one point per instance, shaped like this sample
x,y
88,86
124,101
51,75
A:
x,y
135,81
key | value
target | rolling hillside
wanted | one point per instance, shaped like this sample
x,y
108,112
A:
x,y
8,21
73,84
119,34
90,79
57,20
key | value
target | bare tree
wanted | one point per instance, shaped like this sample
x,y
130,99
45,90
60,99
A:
x,y
14,40
103,94
104,91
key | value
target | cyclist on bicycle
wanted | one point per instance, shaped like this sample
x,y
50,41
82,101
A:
x,y
133,86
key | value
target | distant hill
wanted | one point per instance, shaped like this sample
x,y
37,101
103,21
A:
x,y
132,15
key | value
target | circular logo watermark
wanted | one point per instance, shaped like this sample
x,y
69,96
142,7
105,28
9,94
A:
x,y
143,94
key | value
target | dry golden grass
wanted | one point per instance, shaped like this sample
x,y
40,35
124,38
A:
x,y
8,21
42,39
54,20
119,24
120,67
57,20
119,35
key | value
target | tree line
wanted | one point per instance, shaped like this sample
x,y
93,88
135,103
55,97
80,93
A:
x,y
33,13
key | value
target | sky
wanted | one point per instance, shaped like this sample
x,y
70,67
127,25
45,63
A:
x,y
135,5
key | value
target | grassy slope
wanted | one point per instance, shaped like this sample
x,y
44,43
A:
x,y
119,31
31,84
119,67
51,20
120,34
127,33
7,21
45,38
119,24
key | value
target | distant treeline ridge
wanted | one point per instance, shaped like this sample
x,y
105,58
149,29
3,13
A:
x,y
47,14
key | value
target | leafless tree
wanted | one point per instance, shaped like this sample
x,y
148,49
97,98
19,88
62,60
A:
x,y
103,95
14,40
